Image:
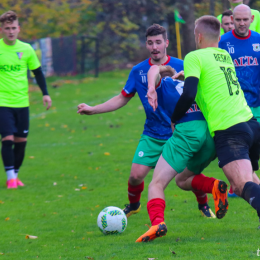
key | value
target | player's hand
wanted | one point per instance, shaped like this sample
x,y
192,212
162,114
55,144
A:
x,y
173,126
179,76
85,109
46,99
152,98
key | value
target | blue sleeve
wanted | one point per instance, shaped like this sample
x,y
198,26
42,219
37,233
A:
x,y
129,90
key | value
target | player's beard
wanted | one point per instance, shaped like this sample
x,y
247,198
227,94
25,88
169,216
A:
x,y
157,59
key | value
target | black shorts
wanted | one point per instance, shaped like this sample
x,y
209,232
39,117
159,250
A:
x,y
240,141
14,121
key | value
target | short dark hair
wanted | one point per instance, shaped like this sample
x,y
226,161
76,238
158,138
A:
x,y
227,13
209,26
8,17
156,29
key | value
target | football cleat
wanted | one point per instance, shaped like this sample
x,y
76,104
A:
x,y
219,192
154,232
128,211
11,184
19,183
206,211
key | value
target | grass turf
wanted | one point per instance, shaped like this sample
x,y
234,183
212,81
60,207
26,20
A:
x,y
77,165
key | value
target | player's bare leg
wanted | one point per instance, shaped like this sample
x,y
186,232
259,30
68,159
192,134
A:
x,y
199,183
135,188
239,174
231,193
163,174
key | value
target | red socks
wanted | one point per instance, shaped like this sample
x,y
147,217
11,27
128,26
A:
x,y
155,208
202,183
201,196
134,192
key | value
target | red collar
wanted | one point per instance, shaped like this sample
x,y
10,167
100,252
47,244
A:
x,y
168,60
239,37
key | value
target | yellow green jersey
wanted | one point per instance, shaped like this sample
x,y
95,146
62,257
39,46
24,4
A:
x,y
14,63
254,26
219,95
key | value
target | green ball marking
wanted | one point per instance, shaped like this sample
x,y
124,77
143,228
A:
x,y
104,221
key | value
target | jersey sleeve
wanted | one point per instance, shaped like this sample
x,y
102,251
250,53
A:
x,y
129,90
220,20
33,61
257,17
192,65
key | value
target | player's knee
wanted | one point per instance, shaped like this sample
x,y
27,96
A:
x,y
8,138
237,189
135,179
179,182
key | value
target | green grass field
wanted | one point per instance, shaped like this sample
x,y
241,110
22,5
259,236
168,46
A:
x,y
77,165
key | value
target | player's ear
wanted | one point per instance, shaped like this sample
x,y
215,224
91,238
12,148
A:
x,y
167,43
252,18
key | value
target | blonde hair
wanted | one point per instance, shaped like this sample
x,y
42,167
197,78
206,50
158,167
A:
x,y
209,26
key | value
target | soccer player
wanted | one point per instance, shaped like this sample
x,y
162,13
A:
x,y
210,79
157,128
226,21
15,57
243,46
255,25
190,145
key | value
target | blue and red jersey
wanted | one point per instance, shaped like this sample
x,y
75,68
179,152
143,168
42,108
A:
x,y
158,123
245,53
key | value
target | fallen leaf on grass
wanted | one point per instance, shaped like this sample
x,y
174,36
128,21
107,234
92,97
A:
x,y
172,251
52,129
31,157
1,253
77,189
30,237
55,183
106,153
47,124
89,257
83,188
60,196
97,206
202,238
6,219
1,202
100,144
151,258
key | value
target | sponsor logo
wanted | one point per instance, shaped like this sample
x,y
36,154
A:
x,y
251,200
246,61
19,54
141,154
25,131
256,47
9,68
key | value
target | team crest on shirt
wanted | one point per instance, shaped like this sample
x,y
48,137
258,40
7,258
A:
x,y
256,46
19,54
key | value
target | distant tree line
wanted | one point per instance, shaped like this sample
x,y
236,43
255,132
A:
x,y
120,25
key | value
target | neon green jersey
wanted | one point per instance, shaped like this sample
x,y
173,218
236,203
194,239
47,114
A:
x,y
219,95
14,62
254,26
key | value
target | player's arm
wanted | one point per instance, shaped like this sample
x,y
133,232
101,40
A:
x,y
187,98
110,105
40,79
154,76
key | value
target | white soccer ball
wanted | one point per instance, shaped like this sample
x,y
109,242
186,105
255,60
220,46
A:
x,y
112,220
